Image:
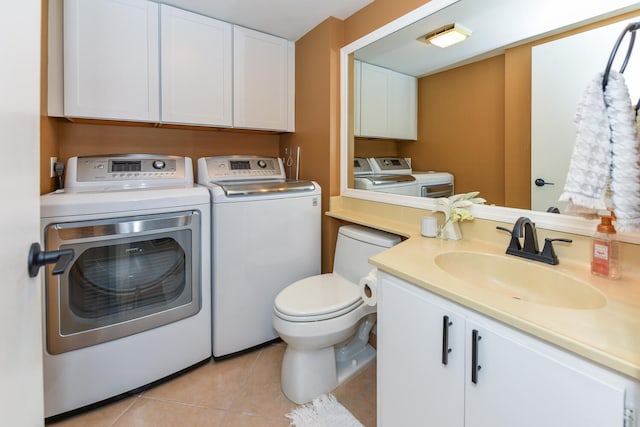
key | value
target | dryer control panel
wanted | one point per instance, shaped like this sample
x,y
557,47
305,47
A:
x,y
236,168
130,169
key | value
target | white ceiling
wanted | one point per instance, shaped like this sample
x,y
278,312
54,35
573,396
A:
x,y
495,24
290,19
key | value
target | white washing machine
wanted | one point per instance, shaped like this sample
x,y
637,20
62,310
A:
x,y
133,305
366,178
266,235
429,184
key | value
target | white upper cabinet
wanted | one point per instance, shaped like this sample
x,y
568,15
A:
x,y
386,103
111,59
135,60
196,69
263,86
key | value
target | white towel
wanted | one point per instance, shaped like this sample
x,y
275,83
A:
x,y
588,174
606,154
625,150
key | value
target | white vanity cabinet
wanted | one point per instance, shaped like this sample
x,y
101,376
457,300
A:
x,y
387,104
263,85
519,380
196,69
111,60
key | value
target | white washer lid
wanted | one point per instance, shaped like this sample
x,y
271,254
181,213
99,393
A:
x,y
317,295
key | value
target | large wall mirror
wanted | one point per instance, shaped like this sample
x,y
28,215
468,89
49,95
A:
x,y
496,110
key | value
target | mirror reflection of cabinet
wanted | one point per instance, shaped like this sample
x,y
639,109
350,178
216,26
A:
x,y
386,103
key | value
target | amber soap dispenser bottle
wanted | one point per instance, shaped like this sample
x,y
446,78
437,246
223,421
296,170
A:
x,y
604,249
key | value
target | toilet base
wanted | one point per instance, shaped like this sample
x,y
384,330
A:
x,y
307,374
350,368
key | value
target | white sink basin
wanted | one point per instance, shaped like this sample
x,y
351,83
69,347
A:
x,y
521,280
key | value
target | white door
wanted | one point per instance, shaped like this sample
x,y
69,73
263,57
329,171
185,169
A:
x,y
563,67
21,396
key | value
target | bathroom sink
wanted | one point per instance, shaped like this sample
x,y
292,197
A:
x,y
521,280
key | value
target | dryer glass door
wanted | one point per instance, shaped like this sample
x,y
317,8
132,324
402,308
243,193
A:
x,y
129,275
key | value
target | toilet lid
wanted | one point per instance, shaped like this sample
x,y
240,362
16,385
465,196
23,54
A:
x,y
317,296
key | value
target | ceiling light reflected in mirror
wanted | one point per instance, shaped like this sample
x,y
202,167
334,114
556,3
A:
x,y
446,36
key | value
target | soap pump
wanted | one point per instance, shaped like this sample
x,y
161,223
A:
x,y
604,249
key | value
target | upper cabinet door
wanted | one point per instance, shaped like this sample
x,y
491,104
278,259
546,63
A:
x,y
386,103
196,69
263,86
111,59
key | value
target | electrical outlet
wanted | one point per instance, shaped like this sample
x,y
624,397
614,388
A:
x,y
52,165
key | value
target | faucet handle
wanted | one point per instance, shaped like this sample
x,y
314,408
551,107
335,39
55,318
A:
x,y
548,254
514,244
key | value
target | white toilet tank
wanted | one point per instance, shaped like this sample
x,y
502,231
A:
x,y
355,246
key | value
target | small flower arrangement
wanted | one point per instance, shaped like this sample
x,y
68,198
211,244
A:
x,y
455,209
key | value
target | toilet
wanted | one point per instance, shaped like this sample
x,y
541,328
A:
x,y
324,320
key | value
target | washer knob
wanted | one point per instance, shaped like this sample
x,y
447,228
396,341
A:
x,y
159,164
262,164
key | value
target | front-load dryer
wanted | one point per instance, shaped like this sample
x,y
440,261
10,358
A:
x,y
134,304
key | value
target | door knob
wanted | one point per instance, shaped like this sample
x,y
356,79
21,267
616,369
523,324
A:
x,y
541,182
37,258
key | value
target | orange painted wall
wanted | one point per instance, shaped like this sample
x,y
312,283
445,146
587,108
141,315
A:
x,y
461,127
318,119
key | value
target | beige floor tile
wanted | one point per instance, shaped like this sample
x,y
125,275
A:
x,y
104,416
263,399
147,412
358,395
216,384
232,419
243,391
268,365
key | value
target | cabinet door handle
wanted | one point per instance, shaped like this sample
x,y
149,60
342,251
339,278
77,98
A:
x,y
475,338
445,339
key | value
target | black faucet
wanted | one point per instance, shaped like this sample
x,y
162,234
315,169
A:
x,y
525,227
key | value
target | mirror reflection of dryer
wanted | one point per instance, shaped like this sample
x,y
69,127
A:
x,y
366,177
429,183
134,304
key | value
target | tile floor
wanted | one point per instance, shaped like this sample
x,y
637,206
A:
x,y
243,391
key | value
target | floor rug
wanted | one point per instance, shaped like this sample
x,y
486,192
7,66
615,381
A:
x,y
325,411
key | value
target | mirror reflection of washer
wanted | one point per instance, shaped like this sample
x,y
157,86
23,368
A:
x,y
429,183
266,235
366,178
134,304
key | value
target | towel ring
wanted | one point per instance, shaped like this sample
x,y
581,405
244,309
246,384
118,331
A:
x,y
631,28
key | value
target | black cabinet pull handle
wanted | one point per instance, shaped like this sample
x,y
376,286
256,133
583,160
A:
x,y
445,339
475,338
38,258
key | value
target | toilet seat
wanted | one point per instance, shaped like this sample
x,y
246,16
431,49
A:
x,y
317,298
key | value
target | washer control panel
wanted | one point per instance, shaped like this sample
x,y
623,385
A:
x,y
128,168
231,168
391,165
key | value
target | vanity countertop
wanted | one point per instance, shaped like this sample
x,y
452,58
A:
x,y
609,335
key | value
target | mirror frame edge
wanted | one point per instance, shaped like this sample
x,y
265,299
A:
x,y
545,220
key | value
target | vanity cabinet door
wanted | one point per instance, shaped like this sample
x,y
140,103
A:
x,y
196,69
420,383
522,383
111,60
